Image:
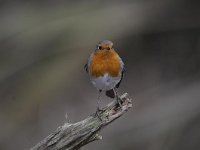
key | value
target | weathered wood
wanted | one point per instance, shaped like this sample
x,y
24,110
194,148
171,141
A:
x,y
73,136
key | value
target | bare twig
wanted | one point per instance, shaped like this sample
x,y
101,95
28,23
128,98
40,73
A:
x,y
73,136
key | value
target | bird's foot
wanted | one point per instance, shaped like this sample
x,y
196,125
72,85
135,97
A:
x,y
119,101
98,111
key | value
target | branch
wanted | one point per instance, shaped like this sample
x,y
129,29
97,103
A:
x,y
73,136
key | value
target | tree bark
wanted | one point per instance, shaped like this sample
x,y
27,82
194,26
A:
x,y
73,136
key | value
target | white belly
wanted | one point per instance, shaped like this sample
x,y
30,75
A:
x,y
105,82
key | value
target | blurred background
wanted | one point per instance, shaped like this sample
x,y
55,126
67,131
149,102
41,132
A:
x,y
45,44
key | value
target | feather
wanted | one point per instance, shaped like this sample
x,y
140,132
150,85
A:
x,y
110,93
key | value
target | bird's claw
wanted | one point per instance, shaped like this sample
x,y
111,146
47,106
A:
x,y
119,102
98,113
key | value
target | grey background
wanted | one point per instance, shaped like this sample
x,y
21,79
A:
x,y
45,44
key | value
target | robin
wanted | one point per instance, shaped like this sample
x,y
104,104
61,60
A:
x,y
105,69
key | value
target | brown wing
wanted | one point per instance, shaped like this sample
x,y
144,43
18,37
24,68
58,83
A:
x,y
86,67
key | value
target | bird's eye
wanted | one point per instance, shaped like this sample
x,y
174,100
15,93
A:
x,y
108,48
100,47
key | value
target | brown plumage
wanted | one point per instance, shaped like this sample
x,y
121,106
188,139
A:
x,y
105,61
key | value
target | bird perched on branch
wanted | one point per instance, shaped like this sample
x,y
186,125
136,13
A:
x,y
105,69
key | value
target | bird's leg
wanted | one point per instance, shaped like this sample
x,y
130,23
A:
x,y
98,100
117,97
98,109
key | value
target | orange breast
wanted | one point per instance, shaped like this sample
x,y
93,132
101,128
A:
x,y
105,61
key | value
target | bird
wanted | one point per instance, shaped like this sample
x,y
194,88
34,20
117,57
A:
x,y
106,69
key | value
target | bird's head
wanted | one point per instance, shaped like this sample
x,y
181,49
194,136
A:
x,y
104,45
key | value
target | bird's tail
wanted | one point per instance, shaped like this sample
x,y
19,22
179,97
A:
x,y
110,93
